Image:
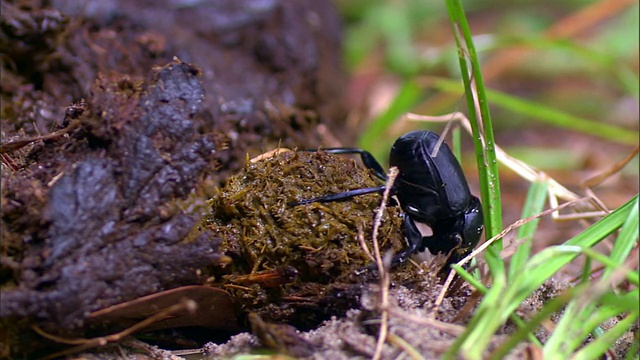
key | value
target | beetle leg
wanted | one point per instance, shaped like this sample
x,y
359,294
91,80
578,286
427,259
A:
x,y
367,159
414,240
339,196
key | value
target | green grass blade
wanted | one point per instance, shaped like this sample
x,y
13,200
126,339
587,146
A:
x,y
632,276
561,119
544,264
569,331
626,302
542,113
599,346
547,310
626,240
486,157
632,353
468,277
501,301
585,314
482,326
534,203
596,318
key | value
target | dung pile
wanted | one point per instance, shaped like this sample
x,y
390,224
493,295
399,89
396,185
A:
x,y
297,254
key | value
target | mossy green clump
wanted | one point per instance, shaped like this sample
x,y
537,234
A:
x,y
262,232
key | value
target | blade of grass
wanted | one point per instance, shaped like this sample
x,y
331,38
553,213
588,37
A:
x,y
547,310
470,278
548,115
597,317
599,346
501,301
550,260
632,276
479,119
628,301
473,281
626,240
563,339
534,203
473,341
632,353
583,317
561,119
611,303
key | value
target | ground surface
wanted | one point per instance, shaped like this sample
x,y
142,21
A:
x,y
151,104
146,107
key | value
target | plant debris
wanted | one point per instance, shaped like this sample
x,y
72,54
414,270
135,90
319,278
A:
x,y
287,259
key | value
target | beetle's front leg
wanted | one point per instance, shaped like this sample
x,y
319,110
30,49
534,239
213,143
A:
x,y
414,240
340,196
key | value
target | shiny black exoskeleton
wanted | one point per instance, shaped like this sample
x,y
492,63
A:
x,y
430,189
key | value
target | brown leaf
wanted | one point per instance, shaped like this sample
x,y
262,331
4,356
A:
x,y
214,310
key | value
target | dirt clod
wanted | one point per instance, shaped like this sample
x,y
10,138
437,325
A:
x,y
99,212
108,232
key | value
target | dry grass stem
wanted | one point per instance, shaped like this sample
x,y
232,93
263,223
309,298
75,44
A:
x,y
84,344
486,244
385,280
451,329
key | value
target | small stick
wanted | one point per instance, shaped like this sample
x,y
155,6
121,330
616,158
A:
x,y
385,280
84,344
486,244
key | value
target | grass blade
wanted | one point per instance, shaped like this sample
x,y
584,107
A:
x,y
485,153
626,240
549,261
599,346
536,198
542,113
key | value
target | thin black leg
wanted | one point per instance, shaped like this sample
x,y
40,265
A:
x,y
414,240
339,196
367,159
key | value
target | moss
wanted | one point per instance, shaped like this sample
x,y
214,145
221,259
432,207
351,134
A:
x,y
261,231
264,234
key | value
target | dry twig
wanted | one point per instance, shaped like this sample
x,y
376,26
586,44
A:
x,y
385,280
84,344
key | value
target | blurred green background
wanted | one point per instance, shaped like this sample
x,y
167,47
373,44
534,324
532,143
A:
x,y
580,57
562,78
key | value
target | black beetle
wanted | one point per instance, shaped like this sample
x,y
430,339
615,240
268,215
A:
x,y
430,189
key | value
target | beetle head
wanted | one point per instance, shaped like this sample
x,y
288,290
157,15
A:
x,y
473,224
460,234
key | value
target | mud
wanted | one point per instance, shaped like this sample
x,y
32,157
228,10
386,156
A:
x,y
110,142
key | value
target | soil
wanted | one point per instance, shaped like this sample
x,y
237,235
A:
x,y
127,192
114,114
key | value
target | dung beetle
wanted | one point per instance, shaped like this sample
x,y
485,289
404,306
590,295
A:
x,y
431,189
